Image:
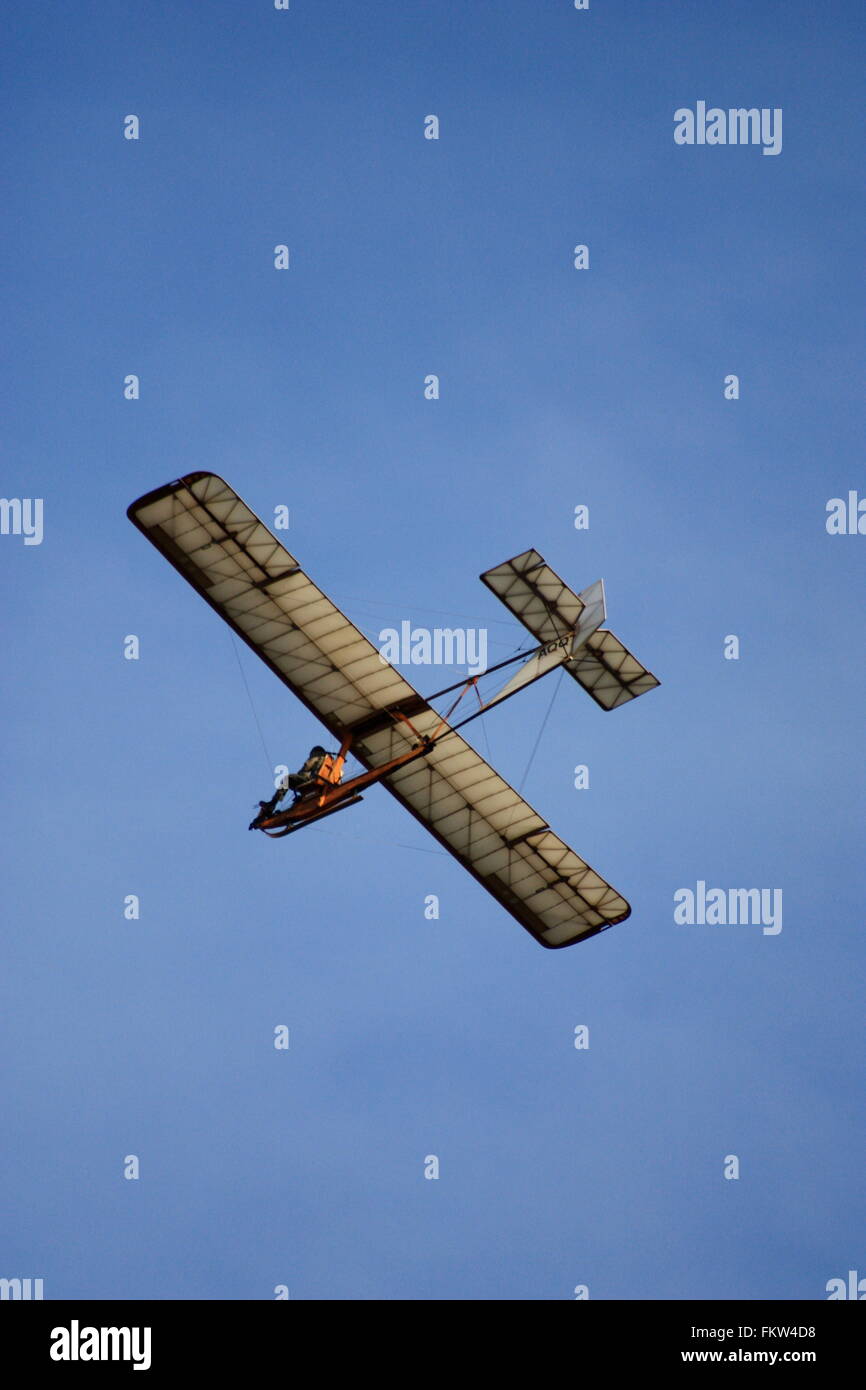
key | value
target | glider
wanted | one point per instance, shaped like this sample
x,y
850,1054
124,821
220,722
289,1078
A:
x,y
229,556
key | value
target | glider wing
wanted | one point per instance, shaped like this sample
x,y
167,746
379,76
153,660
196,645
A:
x,y
230,557
539,879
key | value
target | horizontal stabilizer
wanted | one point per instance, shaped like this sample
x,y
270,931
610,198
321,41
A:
x,y
609,672
551,610
536,596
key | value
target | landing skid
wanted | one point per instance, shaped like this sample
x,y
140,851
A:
x,y
276,826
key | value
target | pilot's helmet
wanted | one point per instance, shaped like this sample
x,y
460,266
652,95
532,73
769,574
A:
x,y
318,752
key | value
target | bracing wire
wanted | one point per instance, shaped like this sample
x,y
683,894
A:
x,y
252,705
541,730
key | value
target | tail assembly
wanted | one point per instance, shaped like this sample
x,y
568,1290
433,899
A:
x,y
550,610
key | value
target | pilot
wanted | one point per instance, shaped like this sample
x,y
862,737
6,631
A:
x,y
310,768
295,781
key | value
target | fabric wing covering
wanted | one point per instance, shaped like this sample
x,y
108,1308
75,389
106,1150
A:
x,y
536,595
608,671
230,557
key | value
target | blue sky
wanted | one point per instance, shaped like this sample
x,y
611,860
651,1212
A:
x,y
559,387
